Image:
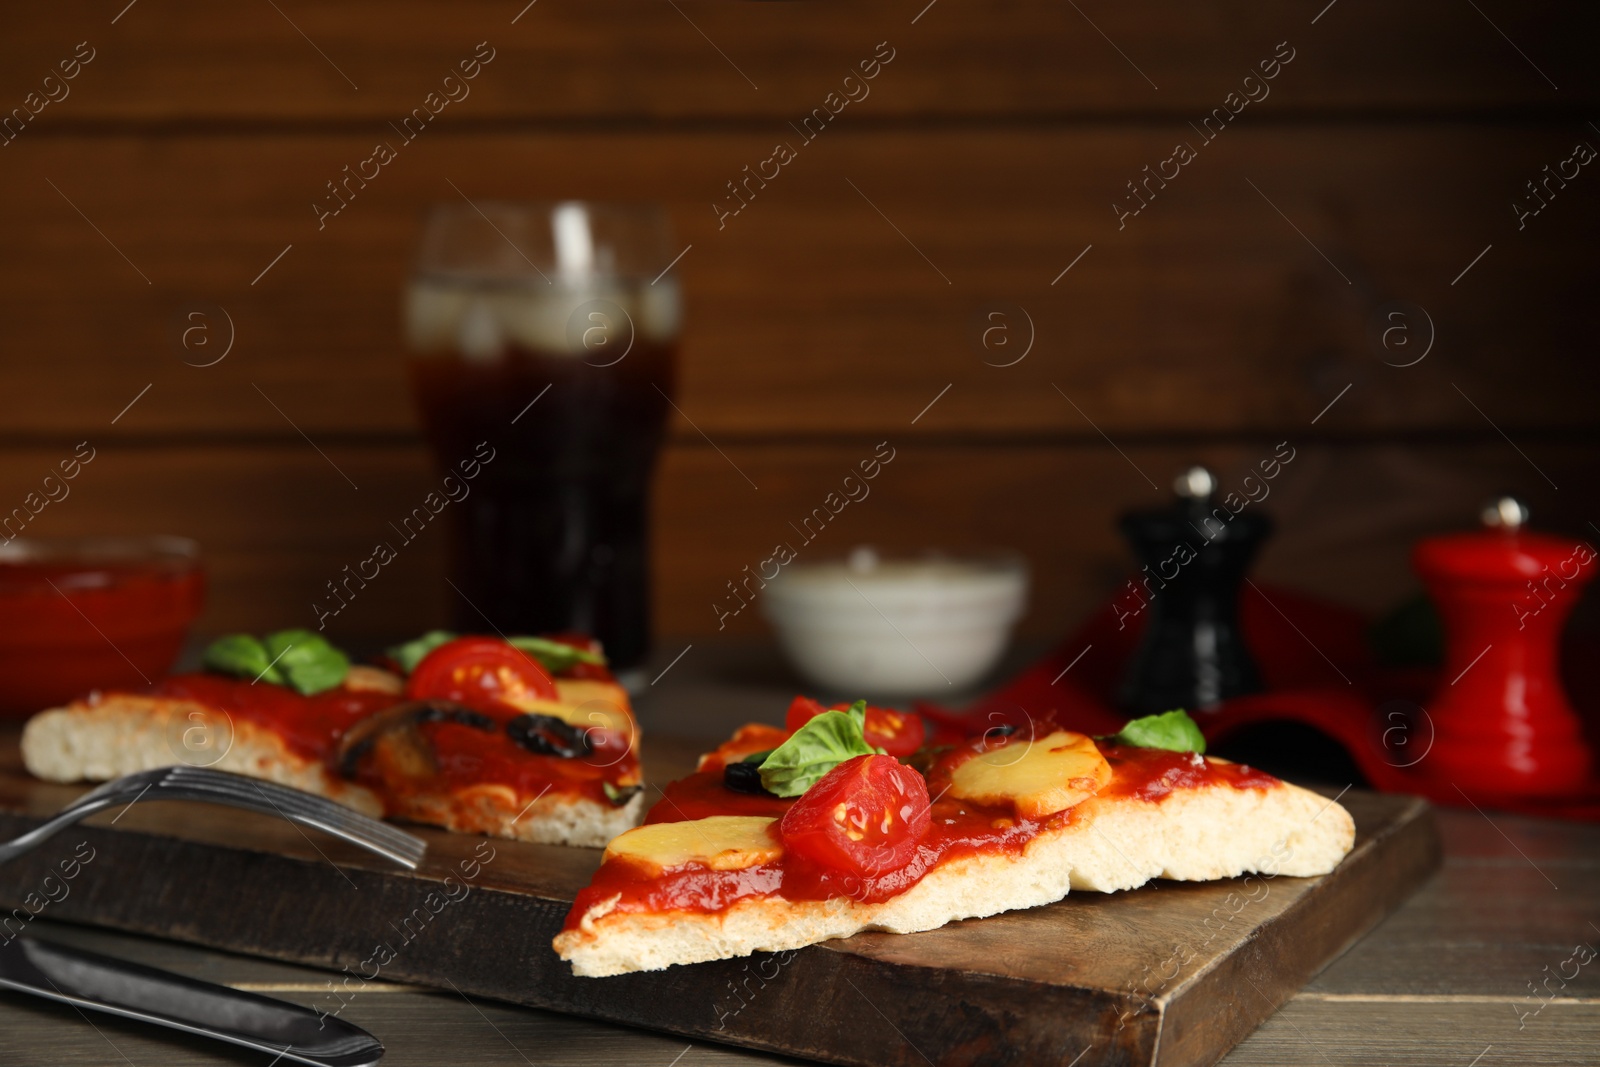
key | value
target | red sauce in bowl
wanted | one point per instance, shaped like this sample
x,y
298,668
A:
x,y
78,615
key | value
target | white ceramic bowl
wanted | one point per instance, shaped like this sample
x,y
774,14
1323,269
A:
x,y
871,627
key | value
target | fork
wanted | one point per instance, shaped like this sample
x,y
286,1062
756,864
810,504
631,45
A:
x,y
183,782
132,991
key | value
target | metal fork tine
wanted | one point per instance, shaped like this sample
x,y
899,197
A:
x,y
286,800
127,783
252,791
260,791
342,819
402,849
183,782
272,798
291,802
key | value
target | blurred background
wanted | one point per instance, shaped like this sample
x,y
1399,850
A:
x,y
852,299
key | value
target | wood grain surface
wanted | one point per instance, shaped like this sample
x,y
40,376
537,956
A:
x,y
1210,327
848,303
810,315
1441,982
1346,512
1023,987
192,60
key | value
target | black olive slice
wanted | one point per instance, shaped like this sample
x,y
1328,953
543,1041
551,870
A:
x,y
743,777
546,735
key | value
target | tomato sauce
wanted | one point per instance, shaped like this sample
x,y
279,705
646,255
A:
x,y
1154,773
313,726
468,757
958,828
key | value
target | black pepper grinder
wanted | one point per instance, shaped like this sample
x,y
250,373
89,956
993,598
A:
x,y
1194,555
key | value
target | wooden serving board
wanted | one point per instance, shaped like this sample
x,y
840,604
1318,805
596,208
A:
x,y
1170,974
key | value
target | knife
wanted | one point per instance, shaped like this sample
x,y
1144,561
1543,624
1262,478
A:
x,y
134,991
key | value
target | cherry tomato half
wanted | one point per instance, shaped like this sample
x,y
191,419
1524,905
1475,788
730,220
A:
x,y
899,733
865,817
479,671
801,711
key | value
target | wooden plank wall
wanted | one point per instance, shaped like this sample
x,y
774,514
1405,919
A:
x,y
1382,164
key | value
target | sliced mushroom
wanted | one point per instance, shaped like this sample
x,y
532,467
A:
x,y
396,730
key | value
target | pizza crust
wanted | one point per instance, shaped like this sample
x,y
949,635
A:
x,y
106,737
1119,842
550,820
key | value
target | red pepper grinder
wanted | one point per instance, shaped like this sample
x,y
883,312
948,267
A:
x,y
1502,721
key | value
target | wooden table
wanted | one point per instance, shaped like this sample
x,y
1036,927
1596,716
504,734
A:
x,y
1444,981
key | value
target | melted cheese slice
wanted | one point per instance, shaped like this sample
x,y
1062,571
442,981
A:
x,y
586,702
721,842
1037,777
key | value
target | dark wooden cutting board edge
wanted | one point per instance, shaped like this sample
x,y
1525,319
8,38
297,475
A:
x,y
832,1002
1280,957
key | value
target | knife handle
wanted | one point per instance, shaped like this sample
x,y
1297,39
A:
x,y
87,980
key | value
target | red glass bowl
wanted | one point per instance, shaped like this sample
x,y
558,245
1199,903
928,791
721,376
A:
x,y
92,613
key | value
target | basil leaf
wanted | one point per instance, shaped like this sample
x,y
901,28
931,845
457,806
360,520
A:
x,y
815,749
306,659
410,654
242,656
620,796
555,656
1171,730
